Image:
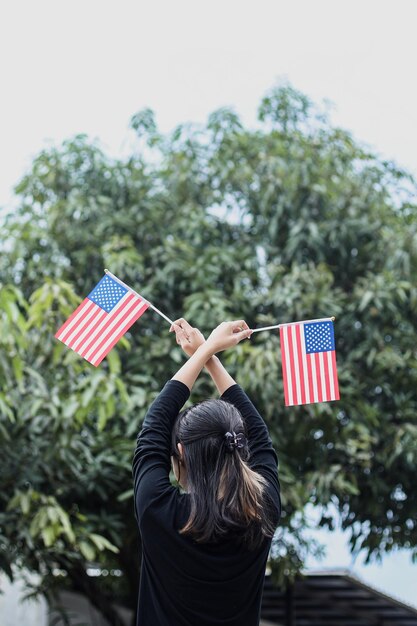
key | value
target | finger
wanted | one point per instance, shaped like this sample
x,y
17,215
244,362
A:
x,y
181,335
239,325
243,334
175,328
178,328
177,322
186,326
179,331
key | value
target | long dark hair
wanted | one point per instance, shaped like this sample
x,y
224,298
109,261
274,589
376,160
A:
x,y
226,495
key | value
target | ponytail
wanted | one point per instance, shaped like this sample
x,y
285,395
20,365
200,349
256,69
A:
x,y
227,496
252,490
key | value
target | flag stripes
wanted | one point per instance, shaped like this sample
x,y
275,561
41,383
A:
x,y
308,376
106,314
92,332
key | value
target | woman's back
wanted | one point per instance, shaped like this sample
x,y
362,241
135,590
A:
x,y
185,582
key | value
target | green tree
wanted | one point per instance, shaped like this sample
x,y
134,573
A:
x,y
291,220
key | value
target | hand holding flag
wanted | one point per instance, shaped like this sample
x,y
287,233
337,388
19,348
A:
x,y
110,309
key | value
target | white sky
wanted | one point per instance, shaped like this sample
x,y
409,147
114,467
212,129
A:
x,y
88,66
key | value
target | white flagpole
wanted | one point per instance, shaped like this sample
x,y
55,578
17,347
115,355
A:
x,y
257,330
323,319
138,294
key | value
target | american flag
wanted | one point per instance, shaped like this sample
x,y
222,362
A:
x,y
309,362
101,320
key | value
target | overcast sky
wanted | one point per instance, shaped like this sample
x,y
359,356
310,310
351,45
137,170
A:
x,y
87,66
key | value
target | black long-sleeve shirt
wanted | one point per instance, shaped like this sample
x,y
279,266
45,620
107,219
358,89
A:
x,y
185,583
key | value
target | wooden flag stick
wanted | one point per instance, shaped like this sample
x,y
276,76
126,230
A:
x,y
323,319
138,294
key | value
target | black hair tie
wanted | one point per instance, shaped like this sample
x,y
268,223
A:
x,y
235,441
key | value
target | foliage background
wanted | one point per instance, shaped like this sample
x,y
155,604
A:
x,y
291,220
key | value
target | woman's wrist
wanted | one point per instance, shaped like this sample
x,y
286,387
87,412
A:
x,y
212,362
188,373
205,351
219,374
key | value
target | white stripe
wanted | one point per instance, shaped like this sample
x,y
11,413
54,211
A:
x,y
92,314
126,323
96,335
304,359
331,374
322,377
288,368
85,334
313,376
296,365
74,320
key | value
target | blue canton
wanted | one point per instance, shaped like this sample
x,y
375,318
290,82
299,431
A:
x,y
319,337
107,293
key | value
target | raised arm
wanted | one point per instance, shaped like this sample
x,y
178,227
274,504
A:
x,y
263,457
151,462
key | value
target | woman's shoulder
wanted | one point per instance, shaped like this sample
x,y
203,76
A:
x,y
169,506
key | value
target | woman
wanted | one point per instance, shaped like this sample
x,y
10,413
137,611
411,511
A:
x,y
204,551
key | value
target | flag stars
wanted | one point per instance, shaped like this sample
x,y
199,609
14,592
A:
x,y
107,293
319,337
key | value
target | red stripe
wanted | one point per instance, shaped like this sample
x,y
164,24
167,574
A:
x,y
310,377
292,366
127,308
335,380
284,364
122,332
300,364
92,339
87,306
326,375
71,317
318,376
82,327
